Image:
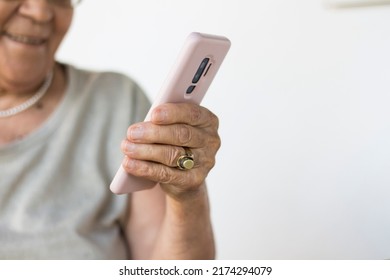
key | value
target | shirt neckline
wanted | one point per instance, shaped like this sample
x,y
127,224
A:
x,y
39,135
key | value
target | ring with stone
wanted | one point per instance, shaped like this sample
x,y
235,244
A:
x,y
186,161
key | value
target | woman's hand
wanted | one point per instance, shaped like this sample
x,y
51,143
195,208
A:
x,y
153,148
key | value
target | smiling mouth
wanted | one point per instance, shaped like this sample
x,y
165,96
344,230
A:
x,y
34,41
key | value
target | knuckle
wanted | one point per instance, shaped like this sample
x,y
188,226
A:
x,y
142,170
184,134
211,119
208,163
205,160
211,164
214,120
195,114
164,176
171,155
216,142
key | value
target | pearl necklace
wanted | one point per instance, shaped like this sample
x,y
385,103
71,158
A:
x,y
30,102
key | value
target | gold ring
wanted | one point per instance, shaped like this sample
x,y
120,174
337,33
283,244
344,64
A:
x,y
186,161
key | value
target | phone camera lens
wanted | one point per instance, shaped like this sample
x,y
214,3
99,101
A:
x,y
200,70
190,89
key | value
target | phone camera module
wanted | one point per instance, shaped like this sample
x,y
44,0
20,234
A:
x,y
200,70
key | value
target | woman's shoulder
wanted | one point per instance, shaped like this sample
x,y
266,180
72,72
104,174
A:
x,y
107,83
108,90
100,77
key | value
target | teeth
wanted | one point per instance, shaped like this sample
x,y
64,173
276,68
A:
x,y
25,39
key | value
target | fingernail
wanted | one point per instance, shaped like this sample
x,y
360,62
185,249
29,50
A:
x,y
130,148
159,115
128,163
136,132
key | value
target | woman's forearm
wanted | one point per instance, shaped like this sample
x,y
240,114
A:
x,y
186,231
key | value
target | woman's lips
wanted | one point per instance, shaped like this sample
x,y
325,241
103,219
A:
x,y
24,39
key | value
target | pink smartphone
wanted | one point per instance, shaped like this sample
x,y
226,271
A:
x,y
188,81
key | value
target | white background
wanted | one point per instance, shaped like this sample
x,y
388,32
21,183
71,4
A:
x,y
303,100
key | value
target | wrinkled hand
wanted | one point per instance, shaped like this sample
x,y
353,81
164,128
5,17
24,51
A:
x,y
152,148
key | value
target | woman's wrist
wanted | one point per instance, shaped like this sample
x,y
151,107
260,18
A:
x,y
179,195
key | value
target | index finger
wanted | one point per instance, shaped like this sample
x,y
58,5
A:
x,y
186,113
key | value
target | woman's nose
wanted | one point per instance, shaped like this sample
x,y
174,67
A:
x,y
38,10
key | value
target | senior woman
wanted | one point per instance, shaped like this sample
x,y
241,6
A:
x,y
61,130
